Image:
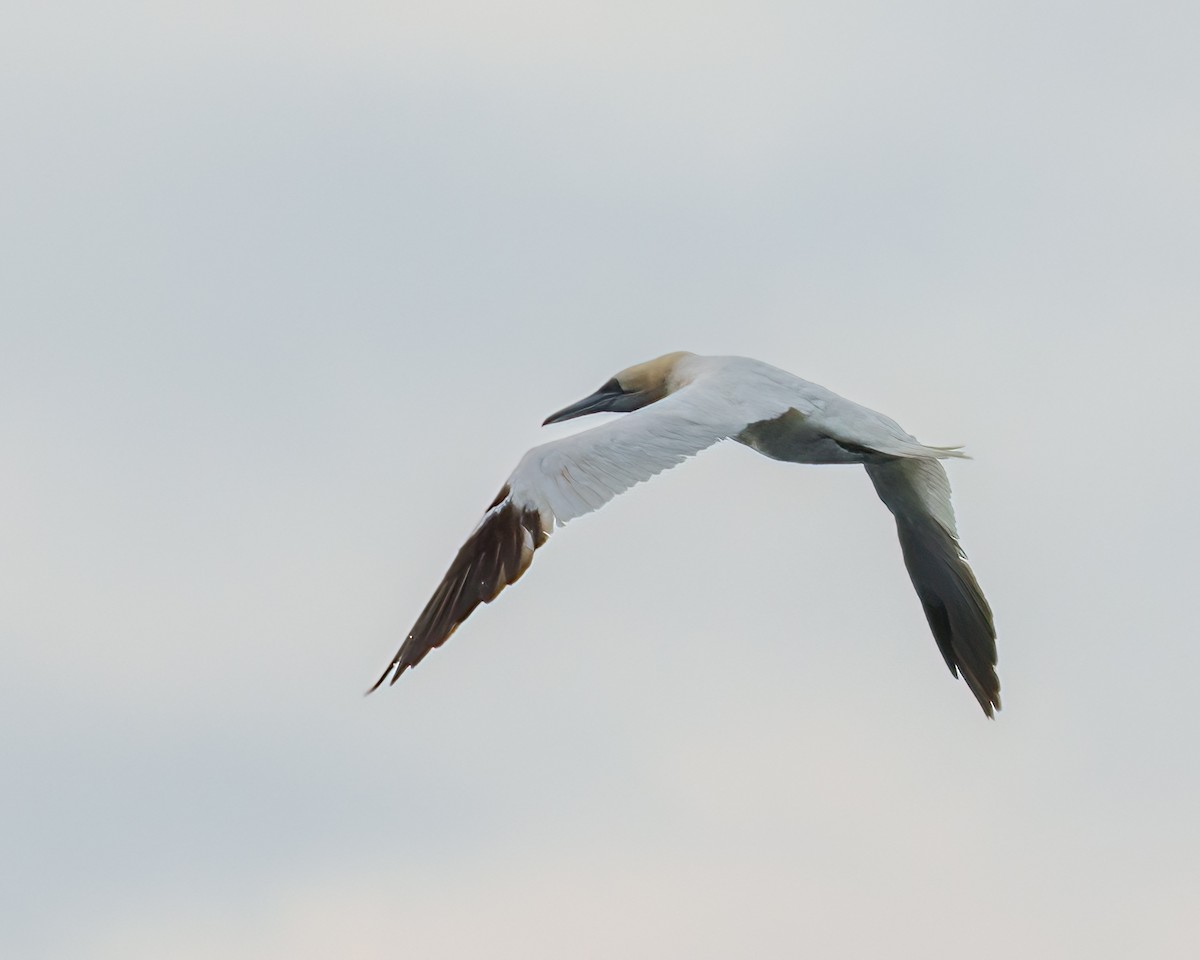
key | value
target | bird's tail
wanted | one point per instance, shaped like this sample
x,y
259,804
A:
x,y
954,451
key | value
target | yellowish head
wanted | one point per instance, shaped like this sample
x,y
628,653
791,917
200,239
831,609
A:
x,y
632,388
654,378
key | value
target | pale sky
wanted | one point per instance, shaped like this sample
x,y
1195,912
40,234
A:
x,y
286,290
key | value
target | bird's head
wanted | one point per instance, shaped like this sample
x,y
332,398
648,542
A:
x,y
632,388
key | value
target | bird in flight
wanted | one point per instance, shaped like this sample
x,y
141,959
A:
x,y
678,405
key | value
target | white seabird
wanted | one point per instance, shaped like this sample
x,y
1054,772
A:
x,y
678,404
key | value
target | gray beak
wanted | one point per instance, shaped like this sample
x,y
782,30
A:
x,y
610,398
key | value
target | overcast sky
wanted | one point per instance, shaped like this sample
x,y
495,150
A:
x,y
285,291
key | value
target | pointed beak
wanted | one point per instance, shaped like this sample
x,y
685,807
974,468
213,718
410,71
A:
x,y
609,398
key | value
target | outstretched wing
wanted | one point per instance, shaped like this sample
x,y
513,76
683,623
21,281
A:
x,y
557,482
918,494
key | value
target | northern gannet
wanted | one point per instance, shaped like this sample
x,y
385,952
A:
x,y
678,404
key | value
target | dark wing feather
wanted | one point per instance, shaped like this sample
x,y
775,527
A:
x,y
494,556
918,494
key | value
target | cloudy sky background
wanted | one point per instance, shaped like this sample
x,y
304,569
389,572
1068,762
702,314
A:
x,y
285,291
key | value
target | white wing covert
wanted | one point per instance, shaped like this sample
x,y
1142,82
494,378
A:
x,y
569,477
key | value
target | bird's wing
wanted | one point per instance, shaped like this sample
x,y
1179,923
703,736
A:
x,y
918,494
557,482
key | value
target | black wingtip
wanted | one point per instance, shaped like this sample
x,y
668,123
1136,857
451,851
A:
x,y
495,555
378,683
987,690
